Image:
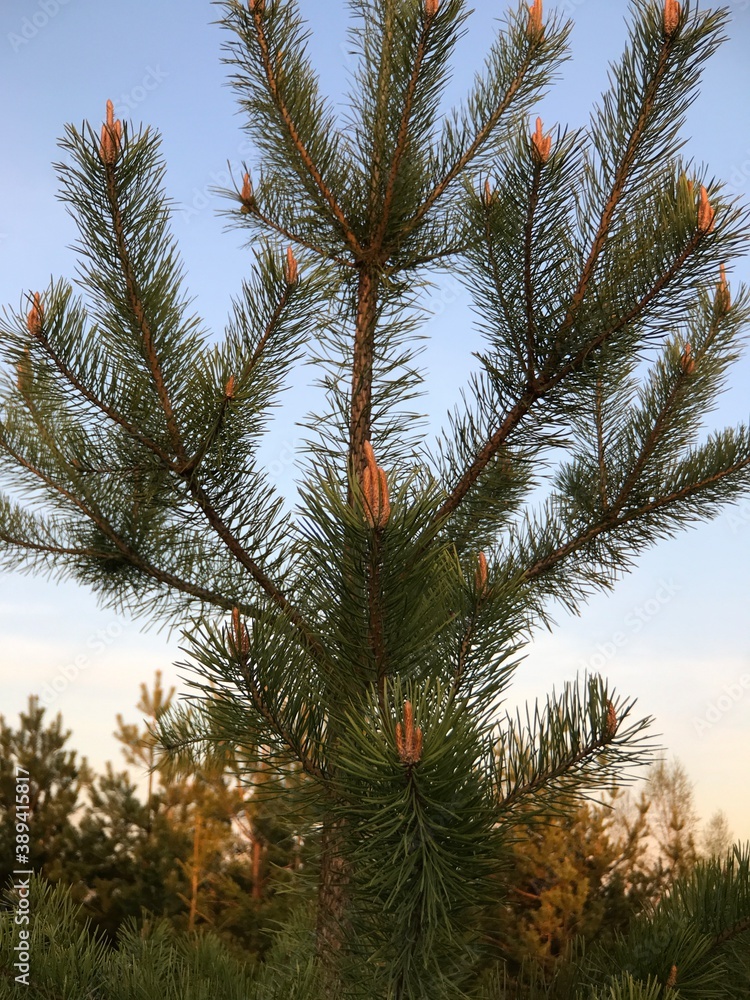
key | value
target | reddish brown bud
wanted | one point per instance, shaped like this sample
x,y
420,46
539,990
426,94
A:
x,y
256,5
290,269
723,297
687,360
229,387
706,213
246,195
35,316
535,25
672,978
431,8
610,722
24,372
542,143
489,195
375,491
480,574
111,136
672,13
239,640
409,738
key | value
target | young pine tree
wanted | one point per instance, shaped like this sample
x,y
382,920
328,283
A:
x,y
370,639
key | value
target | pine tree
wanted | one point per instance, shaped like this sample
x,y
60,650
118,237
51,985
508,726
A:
x,y
369,640
56,778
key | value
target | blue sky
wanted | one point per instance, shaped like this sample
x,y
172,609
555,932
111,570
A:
x,y
675,633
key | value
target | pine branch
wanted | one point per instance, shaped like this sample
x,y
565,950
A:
x,y
139,312
402,137
271,718
254,210
615,520
110,411
475,146
622,175
600,447
575,744
257,15
307,636
125,550
527,276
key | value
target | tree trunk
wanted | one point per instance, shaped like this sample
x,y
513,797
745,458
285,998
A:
x,y
333,896
257,883
195,872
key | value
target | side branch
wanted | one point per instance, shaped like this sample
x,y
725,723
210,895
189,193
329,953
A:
x,y
615,520
549,380
105,408
128,553
586,752
403,135
140,313
618,189
303,629
57,550
291,127
275,723
296,238
527,273
468,155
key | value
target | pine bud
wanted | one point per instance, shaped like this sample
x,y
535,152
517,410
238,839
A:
x,y
489,195
35,316
480,574
369,454
111,136
409,738
431,8
375,490
535,26
542,143
290,268
672,978
229,387
723,298
246,195
239,640
671,17
687,360
256,5
610,722
706,213
23,368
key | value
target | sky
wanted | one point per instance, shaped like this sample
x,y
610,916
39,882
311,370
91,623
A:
x,y
675,633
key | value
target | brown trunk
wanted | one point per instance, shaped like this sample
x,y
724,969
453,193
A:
x,y
333,895
361,402
195,872
257,885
